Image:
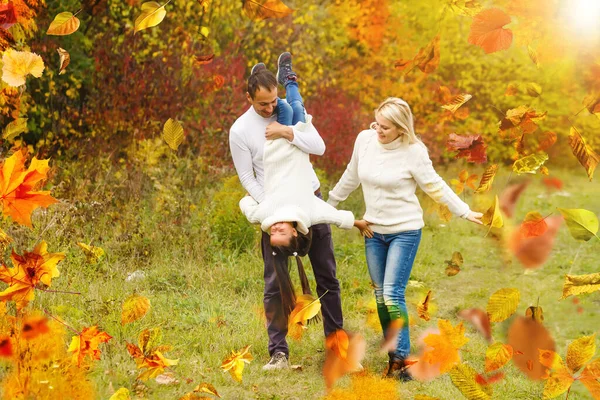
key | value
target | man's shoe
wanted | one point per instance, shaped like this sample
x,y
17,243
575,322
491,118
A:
x,y
398,369
284,69
257,67
278,361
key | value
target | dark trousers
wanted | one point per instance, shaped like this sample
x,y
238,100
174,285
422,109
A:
x,y
323,264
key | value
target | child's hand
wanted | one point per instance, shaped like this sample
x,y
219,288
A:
x,y
275,131
364,228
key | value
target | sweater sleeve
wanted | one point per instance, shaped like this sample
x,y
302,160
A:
x,y
252,210
324,213
307,139
432,184
349,180
242,160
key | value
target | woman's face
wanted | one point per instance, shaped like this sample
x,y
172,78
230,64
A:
x,y
282,233
386,131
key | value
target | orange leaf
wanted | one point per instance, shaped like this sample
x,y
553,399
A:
x,y
236,361
497,355
401,65
546,140
533,225
533,251
511,90
586,156
428,57
258,10
335,367
527,336
33,326
487,32
338,343
509,196
423,307
86,343
134,308
444,347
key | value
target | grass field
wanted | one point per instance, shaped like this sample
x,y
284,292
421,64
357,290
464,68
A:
x,y
207,298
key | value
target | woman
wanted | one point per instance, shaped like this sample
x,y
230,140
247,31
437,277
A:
x,y
389,161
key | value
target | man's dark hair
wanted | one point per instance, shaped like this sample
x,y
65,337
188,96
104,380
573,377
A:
x,y
262,79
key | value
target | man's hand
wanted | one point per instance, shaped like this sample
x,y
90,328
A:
x,y
363,227
275,131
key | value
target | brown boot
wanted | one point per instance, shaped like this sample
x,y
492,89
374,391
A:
x,y
397,369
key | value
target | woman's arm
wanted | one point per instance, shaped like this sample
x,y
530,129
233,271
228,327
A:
x,y
349,180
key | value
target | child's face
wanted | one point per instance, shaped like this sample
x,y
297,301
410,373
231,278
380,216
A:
x,y
264,101
282,233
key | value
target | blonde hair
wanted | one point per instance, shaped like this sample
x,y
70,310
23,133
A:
x,y
398,112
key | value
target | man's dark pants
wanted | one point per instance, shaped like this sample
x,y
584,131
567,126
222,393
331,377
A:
x,y
323,264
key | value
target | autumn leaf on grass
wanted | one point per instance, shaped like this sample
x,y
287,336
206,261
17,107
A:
x,y
497,355
582,224
487,179
471,147
258,10
18,194
586,156
64,23
236,361
206,388
335,367
338,343
134,308
423,307
502,304
19,64
579,284
480,320
15,128
65,59
92,253
457,101
488,33
526,336
464,377
148,354
464,179
529,164
30,270
173,133
86,343
152,15
520,120
444,348
509,197
454,264
306,308
492,216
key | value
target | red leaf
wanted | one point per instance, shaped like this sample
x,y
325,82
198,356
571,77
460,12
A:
x,y
553,183
8,17
470,147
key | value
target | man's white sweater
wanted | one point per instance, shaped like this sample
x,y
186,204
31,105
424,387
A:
x,y
289,194
389,175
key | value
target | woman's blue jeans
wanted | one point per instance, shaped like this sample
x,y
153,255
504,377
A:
x,y
390,259
291,110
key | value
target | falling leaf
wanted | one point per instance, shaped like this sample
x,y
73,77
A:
x,y
579,284
464,7
533,225
206,59
464,179
497,355
533,89
526,336
492,216
533,55
152,15
582,224
18,64
520,120
423,307
592,104
236,361
482,380
428,58
471,147
86,344
338,343
15,128
535,313
306,308
559,382
456,102
502,304
488,33
258,10
487,179
8,16
444,347
64,23
580,351
92,253
509,197
511,90
463,377
121,394
590,376
454,265
403,65
335,367
587,157
529,164
173,133
480,319
134,308
65,59
206,388
546,140
533,251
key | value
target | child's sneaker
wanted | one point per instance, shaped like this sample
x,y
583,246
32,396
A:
x,y
284,69
257,67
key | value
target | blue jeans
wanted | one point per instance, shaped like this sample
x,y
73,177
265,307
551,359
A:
x,y
390,259
291,110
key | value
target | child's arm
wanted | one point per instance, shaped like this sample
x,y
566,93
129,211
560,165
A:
x,y
251,209
323,213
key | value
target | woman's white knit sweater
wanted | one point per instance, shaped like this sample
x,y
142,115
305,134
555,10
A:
x,y
389,175
289,195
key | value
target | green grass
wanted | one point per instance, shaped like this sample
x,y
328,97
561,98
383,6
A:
x,y
194,280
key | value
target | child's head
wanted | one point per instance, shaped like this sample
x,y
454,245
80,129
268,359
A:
x,y
262,92
286,239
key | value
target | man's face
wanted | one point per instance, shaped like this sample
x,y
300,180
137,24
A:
x,y
264,101
282,233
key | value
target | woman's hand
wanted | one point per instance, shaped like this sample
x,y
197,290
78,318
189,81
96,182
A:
x,y
474,216
364,228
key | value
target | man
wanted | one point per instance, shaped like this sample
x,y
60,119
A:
x,y
246,140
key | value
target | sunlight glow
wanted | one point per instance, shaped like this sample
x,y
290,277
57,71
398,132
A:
x,y
585,15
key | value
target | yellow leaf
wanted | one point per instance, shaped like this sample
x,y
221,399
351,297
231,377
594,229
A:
x,y
148,339
121,394
529,164
18,64
206,388
550,359
487,179
306,308
586,156
258,10
560,381
533,55
580,351
535,313
456,102
65,59
152,15
497,355
204,31
492,216
173,133
92,253
463,377
423,307
582,224
502,304
236,361
533,89
15,128
64,23
134,308
579,284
